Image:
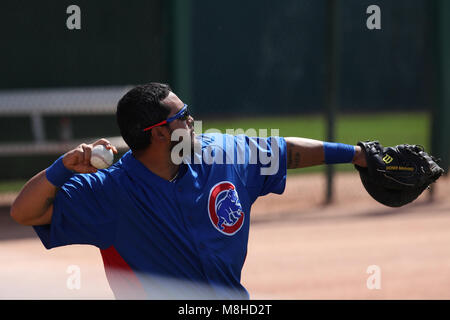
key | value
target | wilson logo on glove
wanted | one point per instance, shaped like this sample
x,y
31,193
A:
x,y
387,159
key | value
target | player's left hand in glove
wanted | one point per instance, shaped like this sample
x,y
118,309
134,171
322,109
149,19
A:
x,y
397,175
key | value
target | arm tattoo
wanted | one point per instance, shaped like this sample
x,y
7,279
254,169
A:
x,y
293,160
296,159
289,159
49,202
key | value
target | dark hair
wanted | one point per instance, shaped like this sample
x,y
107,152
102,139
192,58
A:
x,y
140,108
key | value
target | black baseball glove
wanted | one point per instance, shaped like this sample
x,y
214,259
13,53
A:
x,y
397,175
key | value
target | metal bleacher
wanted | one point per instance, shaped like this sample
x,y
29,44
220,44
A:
x,y
37,103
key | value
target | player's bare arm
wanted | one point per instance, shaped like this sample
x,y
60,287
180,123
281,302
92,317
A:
x,y
303,152
34,204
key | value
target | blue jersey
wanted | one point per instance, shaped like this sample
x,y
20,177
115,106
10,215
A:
x,y
184,239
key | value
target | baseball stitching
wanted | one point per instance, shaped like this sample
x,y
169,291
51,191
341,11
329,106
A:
x,y
102,159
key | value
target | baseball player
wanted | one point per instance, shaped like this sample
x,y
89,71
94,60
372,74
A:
x,y
166,230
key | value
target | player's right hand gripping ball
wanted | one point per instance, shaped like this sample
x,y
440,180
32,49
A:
x,y
101,157
397,175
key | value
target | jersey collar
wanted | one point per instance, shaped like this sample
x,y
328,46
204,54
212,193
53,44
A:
x,y
140,171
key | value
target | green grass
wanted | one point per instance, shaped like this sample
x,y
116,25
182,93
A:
x,y
388,128
11,186
298,126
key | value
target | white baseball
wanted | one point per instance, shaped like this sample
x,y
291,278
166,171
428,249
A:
x,y
101,158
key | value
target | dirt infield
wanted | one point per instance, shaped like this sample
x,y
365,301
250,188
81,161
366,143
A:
x,y
298,249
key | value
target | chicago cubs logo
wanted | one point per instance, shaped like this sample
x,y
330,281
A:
x,y
224,208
